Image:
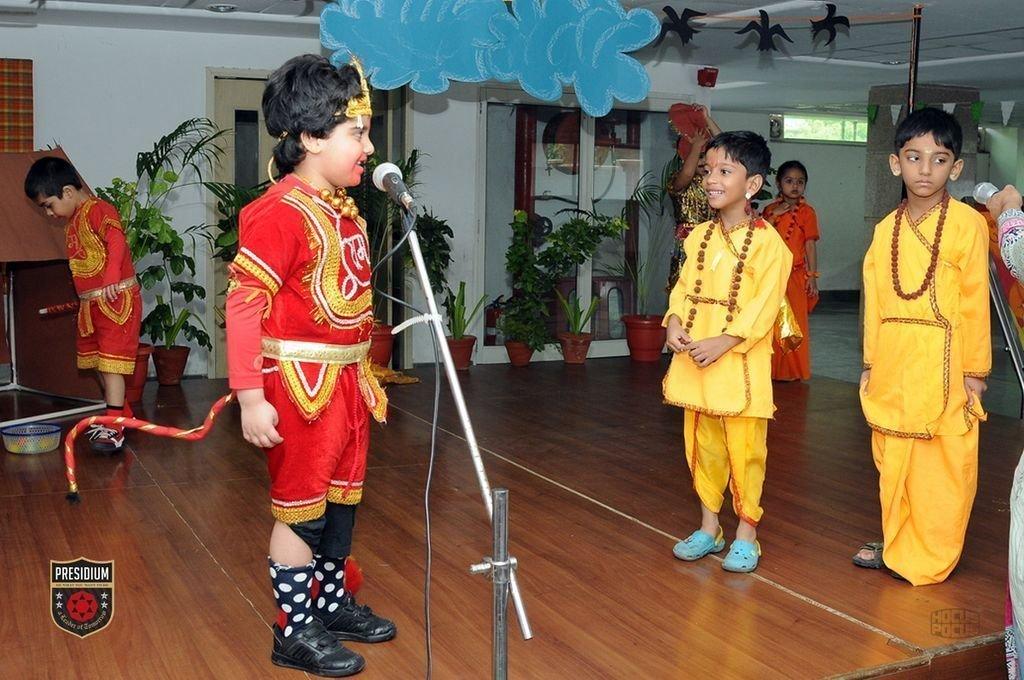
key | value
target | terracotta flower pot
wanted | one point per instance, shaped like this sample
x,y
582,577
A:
x,y
645,336
462,351
519,353
170,363
575,346
381,344
134,383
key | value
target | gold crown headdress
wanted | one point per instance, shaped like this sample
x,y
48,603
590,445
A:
x,y
360,105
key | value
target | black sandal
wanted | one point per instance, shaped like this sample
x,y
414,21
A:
x,y
876,560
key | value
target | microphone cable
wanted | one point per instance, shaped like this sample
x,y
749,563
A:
x,y
409,221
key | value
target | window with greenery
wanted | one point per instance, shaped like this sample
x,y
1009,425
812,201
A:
x,y
848,129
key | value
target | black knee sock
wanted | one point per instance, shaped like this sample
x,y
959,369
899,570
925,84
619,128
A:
x,y
339,523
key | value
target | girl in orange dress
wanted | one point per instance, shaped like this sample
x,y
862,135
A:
x,y
797,223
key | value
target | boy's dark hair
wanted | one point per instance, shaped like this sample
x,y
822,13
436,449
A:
x,y
790,165
48,176
303,96
939,124
745,147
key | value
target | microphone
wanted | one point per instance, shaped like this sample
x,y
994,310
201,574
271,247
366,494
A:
x,y
388,178
984,191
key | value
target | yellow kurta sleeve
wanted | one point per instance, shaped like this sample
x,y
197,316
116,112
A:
x,y
974,302
871,316
772,264
677,298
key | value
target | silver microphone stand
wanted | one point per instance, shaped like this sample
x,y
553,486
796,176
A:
x,y
433,317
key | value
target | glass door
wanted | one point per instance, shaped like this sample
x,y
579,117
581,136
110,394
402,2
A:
x,y
550,160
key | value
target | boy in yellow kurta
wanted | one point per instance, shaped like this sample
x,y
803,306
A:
x,y
719,323
926,352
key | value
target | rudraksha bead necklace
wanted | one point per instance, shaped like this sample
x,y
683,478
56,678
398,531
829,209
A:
x,y
930,273
737,274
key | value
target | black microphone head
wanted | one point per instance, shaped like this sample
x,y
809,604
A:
x,y
382,171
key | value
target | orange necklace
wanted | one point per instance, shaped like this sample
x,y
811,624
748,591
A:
x,y
930,274
338,199
792,222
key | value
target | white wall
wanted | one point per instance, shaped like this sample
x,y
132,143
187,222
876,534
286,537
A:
x,y
1006,149
836,190
106,93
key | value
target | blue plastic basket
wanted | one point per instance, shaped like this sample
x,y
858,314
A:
x,y
31,437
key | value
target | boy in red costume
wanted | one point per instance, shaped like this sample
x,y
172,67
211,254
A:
x,y
110,306
299,316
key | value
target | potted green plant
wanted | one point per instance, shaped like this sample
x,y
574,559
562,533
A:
x,y
177,160
459,343
645,336
522,319
231,198
536,273
575,343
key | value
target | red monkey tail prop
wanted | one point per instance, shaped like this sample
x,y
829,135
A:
x,y
195,434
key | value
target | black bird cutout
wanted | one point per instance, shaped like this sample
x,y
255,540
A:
x,y
766,32
679,24
829,23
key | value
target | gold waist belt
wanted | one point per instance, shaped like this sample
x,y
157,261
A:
x,y
314,352
119,286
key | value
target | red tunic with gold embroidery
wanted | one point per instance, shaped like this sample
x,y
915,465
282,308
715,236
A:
x,y
299,316
108,330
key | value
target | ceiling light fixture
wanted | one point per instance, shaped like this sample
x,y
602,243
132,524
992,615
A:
x,y
221,8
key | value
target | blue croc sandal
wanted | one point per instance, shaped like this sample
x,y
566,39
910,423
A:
x,y
698,545
742,557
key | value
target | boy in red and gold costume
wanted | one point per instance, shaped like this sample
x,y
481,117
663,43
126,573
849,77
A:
x,y
299,316
110,306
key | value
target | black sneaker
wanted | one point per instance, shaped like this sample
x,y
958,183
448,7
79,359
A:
x,y
315,651
105,439
358,623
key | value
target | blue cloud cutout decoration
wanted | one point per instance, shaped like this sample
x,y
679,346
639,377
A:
x,y
542,44
425,43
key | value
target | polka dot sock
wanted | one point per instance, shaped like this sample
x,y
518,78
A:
x,y
292,591
329,586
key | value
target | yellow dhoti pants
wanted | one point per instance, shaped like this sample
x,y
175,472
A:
x,y
727,452
926,488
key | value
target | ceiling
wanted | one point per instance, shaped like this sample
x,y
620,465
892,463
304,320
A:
x,y
978,44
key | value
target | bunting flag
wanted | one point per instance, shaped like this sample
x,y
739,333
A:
x,y
1007,108
949,107
894,110
872,113
976,109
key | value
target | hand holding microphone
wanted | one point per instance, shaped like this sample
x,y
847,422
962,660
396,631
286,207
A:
x,y
997,201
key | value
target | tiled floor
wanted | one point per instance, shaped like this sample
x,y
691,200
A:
x,y
836,353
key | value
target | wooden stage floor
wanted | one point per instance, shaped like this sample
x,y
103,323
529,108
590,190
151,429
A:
x,y
599,493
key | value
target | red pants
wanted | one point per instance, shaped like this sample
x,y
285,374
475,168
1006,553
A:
x,y
108,332
318,461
